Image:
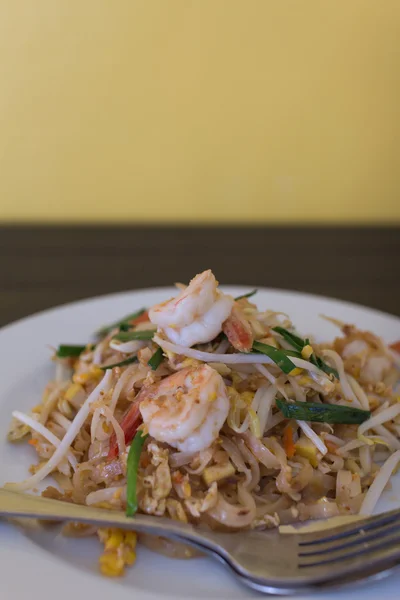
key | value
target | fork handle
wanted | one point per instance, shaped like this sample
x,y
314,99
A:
x,y
16,504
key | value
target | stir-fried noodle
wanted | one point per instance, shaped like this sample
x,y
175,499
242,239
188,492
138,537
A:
x,y
210,410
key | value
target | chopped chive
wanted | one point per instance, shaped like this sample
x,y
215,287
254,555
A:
x,y
293,339
279,357
122,363
299,344
321,364
293,353
132,468
156,359
322,413
66,351
129,336
121,323
248,295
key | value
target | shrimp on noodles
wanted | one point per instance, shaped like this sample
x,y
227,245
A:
x,y
216,412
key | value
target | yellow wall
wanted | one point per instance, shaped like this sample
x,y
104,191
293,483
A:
x,y
268,110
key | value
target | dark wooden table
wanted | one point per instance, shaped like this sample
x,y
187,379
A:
x,y
43,266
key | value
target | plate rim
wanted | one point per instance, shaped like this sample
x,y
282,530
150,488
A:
x,y
88,582
127,292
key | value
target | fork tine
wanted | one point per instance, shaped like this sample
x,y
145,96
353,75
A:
x,y
343,543
372,551
344,531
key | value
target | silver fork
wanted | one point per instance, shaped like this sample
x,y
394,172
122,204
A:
x,y
264,560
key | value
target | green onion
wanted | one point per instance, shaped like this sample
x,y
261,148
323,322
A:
x,y
294,340
65,351
156,359
128,336
321,364
121,323
132,468
248,295
322,413
278,356
122,363
297,343
293,353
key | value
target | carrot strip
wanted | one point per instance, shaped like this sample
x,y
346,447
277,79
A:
x,y
140,319
288,441
331,446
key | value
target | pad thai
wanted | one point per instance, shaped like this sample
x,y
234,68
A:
x,y
210,410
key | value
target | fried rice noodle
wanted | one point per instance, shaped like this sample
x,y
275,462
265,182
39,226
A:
x,y
98,432
220,452
179,459
122,381
260,451
234,516
62,449
106,495
236,456
204,458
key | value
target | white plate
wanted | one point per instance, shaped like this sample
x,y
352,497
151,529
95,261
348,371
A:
x,y
47,566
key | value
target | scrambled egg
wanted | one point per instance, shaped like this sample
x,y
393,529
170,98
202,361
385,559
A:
x,y
119,551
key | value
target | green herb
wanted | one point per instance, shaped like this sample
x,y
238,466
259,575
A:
x,y
322,413
294,340
293,353
121,323
65,351
278,356
122,363
321,364
297,343
156,359
248,295
129,336
132,468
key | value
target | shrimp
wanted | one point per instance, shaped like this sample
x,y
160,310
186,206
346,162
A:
x,y
187,409
395,346
196,315
129,425
238,330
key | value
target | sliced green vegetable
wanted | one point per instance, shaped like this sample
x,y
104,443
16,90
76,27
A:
x,y
321,364
299,344
156,360
132,468
293,353
291,338
322,413
248,295
66,351
129,336
122,363
278,356
121,323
